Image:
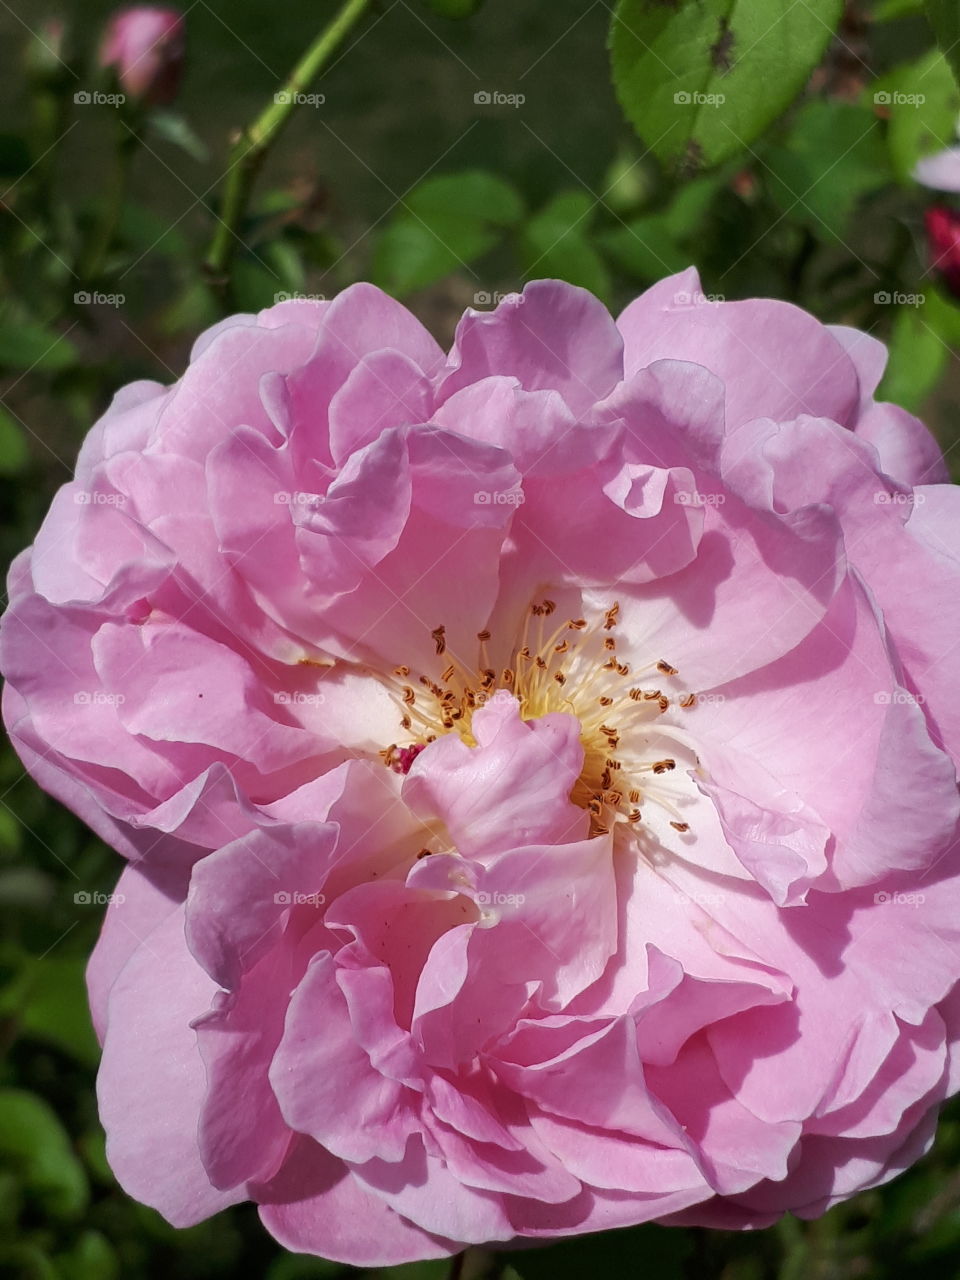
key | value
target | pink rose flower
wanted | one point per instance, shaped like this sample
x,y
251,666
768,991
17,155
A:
x,y
145,47
537,765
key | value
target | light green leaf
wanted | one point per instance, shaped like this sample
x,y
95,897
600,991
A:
x,y
33,1141
474,194
446,223
918,356
48,1001
174,129
923,102
701,81
25,344
556,244
944,17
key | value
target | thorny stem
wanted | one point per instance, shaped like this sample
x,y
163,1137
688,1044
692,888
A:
x,y
253,144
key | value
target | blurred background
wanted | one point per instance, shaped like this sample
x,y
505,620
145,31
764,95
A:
x,y
449,151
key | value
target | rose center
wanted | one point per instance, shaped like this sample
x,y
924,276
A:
x,y
572,668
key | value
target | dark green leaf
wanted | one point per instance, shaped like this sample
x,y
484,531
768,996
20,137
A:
x,y
832,156
638,1251
944,17
454,8
14,456
701,81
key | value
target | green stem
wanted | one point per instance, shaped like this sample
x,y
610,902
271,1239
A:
x,y
251,147
105,230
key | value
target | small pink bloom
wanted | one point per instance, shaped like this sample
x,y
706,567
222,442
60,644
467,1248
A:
x,y
145,47
537,764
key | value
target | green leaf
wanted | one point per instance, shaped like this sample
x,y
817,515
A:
x,y
14,456
33,1141
918,356
701,81
944,17
556,244
474,194
923,102
24,344
49,1002
447,222
91,1258
888,10
174,129
646,248
833,155
297,1267
637,1251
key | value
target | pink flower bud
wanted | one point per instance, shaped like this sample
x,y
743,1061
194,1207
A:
x,y
145,48
943,244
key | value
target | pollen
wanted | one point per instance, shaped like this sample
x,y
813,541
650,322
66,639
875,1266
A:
x,y
567,665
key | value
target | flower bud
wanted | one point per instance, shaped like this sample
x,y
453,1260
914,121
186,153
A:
x,y
943,244
144,46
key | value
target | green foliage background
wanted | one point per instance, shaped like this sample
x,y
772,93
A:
x,y
798,186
